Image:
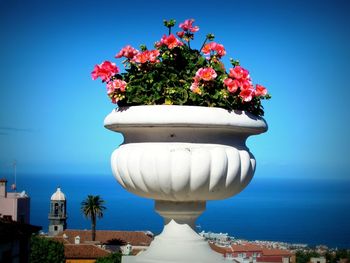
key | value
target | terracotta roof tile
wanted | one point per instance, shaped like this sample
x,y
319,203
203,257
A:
x,y
135,238
277,252
246,247
269,259
60,239
221,250
83,251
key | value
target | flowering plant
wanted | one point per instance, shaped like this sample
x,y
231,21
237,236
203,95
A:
x,y
174,73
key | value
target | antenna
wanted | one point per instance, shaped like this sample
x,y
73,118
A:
x,y
14,186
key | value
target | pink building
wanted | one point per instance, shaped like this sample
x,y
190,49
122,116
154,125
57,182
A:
x,y
252,253
16,205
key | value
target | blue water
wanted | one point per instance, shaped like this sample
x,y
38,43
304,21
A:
x,y
311,211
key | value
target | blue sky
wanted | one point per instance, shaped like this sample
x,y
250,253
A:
x,y
52,112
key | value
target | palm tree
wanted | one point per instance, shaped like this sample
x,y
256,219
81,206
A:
x,y
92,207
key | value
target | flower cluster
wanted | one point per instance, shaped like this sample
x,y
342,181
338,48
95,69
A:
x,y
174,73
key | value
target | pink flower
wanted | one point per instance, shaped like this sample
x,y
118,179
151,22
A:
x,y
128,52
246,84
206,74
220,50
247,94
104,71
215,47
180,34
260,90
171,41
195,87
187,26
141,57
145,56
160,43
239,73
115,85
231,84
153,56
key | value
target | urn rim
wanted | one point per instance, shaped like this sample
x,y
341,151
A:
x,y
184,116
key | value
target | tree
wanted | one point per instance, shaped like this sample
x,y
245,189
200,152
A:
x,y
92,207
304,257
43,249
112,258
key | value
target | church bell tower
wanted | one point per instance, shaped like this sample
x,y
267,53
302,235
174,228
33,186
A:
x,y
57,215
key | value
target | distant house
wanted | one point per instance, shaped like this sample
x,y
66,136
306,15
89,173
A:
x,y
252,253
318,260
111,240
79,248
16,205
246,250
14,240
216,237
83,253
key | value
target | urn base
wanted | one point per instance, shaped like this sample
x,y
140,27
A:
x,y
178,242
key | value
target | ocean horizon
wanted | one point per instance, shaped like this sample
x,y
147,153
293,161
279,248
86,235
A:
x,y
295,210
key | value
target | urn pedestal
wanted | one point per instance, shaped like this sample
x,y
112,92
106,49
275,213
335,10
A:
x,y
181,156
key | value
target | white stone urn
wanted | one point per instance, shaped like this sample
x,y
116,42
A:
x,y
181,156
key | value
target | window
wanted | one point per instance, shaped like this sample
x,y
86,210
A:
x,y
56,209
55,228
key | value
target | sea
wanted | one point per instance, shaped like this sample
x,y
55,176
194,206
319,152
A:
x,y
301,210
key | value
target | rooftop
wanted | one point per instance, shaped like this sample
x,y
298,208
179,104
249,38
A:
x,y
276,259
58,195
84,251
135,238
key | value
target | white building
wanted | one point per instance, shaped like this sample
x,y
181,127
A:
x,y
14,205
318,260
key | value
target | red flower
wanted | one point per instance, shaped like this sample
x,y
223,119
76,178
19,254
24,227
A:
x,y
260,90
220,50
207,49
232,84
187,26
215,47
145,56
247,94
153,56
246,84
104,71
239,73
171,41
180,34
127,51
141,57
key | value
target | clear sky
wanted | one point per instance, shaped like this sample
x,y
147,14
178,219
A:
x,y
52,112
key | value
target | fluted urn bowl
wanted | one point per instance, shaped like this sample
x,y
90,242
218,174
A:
x,y
183,153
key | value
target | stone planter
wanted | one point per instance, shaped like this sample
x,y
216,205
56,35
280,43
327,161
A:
x,y
181,156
